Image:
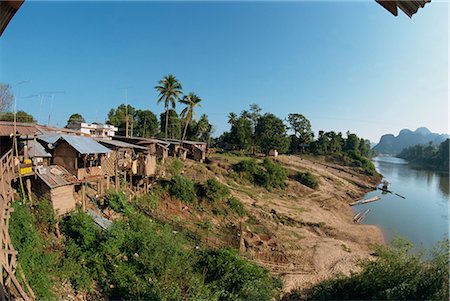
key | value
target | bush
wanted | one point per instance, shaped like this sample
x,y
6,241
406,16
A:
x,y
118,202
176,166
236,206
269,174
307,179
214,191
147,201
235,278
44,216
183,189
38,262
274,175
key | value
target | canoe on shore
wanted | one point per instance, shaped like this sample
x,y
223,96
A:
x,y
376,198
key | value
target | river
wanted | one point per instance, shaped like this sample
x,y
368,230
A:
x,y
423,217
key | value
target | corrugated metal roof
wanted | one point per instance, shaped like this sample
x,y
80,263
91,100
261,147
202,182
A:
x,y
24,129
35,149
409,7
119,143
55,176
49,138
83,145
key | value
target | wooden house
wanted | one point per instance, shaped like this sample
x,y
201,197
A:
x,y
156,147
35,151
81,156
56,184
130,157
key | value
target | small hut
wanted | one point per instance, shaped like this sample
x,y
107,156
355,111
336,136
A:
x,y
81,156
131,157
56,184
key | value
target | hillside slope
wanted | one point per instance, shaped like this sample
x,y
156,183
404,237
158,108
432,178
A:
x,y
300,234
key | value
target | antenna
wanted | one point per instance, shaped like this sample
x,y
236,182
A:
x,y
52,97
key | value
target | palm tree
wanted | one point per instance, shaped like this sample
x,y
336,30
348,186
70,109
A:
x,y
191,101
170,90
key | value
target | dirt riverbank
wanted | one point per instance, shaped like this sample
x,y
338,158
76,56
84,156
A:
x,y
300,234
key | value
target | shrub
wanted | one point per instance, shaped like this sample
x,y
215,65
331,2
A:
x,y
176,166
214,191
235,278
118,202
307,179
44,216
147,201
183,189
236,206
275,175
269,174
39,264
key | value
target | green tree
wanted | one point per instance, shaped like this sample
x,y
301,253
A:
x,y
117,117
203,129
146,124
191,101
254,114
74,119
302,129
170,91
173,123
241,133
351,143
6,96
21,116
270,133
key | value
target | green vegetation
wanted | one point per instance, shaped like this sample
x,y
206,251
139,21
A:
x,y
74,119
236,206
183,189
21,116
214,192
234,278
135,259
176,166
191,101
428,156
36,256
307,179
303,134
395,275
170,90
268,174
117,201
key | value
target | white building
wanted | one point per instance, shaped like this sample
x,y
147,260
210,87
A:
x,y
96,129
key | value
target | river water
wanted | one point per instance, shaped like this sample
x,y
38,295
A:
x,y
423,217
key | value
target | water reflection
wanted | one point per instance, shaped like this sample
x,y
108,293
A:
x,y
444,186
423,216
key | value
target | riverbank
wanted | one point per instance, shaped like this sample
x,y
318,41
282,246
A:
x,y
300,234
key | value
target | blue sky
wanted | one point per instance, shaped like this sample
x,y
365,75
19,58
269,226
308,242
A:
x,y
345,65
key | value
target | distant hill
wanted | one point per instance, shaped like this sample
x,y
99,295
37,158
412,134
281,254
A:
x,y
390,144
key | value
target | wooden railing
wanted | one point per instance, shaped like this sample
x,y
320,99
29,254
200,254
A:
x,y
10,288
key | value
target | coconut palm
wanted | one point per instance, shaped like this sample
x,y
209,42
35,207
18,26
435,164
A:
x,y
191,101
170,91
